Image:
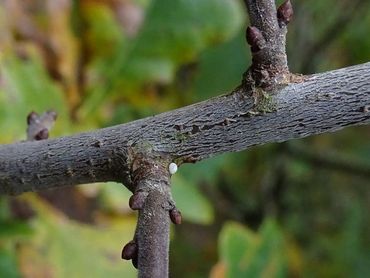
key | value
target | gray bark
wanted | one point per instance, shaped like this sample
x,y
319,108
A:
x,y
319,103
271,105
269,63
153,199
153,229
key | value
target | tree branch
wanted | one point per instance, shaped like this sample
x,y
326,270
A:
x,y
267,37
271,105
150,248
320,103
153,232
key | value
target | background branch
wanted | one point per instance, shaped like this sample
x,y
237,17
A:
x,y
351,9
330,160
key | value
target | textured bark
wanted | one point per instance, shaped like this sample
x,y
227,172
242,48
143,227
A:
x,y
320,103
151,181
269,61
153,232
271,105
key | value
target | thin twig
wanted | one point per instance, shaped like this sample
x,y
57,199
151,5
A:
x,y
149,249
266,36
39,126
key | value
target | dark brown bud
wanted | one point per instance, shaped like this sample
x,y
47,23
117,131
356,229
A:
x,y
175,216
137,200
285,13
42,134
129,251
255,38
134,262
32,117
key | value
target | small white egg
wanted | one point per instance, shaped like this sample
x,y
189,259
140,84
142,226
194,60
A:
x,y
172,168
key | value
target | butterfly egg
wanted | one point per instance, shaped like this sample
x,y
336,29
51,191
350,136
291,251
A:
x,y
172,168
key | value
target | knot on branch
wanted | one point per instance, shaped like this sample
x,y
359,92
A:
x,y
266,36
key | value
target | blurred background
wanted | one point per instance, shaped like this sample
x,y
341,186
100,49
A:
x,y
295,209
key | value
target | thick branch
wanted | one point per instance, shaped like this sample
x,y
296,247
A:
x,y
320,103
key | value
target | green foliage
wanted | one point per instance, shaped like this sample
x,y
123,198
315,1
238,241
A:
x,y
210,80
27,87
11,231
83,61
8,262
247,254
173,33
198,210
74,250
113,197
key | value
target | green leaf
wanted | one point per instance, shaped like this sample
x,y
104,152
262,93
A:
x,y
248,254
70,249
232,57
14,228
26,87
192,204
206,170
174,32
8,263
114,197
